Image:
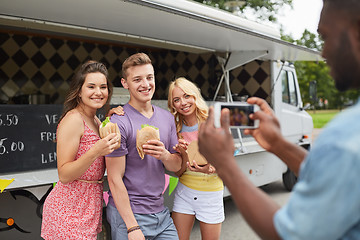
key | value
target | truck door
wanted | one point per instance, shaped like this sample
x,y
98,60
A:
x,y
291,105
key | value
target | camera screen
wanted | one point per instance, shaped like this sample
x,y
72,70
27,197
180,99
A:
x,y
239,115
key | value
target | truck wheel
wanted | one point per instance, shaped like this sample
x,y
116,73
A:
x,y
105,233
289,180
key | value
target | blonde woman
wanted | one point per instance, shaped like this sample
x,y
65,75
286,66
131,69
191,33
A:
x,y
199,193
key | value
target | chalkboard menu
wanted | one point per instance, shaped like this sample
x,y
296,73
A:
x,y
27,137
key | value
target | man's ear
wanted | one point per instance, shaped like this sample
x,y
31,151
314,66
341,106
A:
x,y
354,34
124,83
357,35
357,29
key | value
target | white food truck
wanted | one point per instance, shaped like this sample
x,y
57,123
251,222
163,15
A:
x,y
42,43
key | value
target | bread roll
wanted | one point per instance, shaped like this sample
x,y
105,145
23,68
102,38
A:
x,y
194,154
108,127
145,134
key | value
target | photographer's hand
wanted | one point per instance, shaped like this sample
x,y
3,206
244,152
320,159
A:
x,y
216,144
269,132
269,136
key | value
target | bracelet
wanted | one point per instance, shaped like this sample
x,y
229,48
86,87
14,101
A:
x,y
134,228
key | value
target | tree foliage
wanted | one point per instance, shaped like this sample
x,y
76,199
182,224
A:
x,y
268,10
319,72
264,9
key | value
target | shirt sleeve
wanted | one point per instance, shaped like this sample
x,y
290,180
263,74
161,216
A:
x,y
325,202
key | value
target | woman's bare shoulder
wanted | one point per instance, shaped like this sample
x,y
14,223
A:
x,y
72,121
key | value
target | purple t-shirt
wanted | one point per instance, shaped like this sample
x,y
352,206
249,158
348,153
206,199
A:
x,y
144,179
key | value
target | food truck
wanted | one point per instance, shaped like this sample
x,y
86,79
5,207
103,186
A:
x,y
42,43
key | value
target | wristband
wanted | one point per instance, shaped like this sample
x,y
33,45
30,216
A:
x,y
134,228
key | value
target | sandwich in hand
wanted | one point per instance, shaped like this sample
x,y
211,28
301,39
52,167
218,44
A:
x,y
146,133
194,154
108,127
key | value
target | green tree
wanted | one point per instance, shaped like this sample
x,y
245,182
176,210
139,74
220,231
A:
x,y
264,9
267,10
319,72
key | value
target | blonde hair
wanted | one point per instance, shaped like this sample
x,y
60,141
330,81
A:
x,y
191,89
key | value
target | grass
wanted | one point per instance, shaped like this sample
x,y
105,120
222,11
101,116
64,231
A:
x,y
322,117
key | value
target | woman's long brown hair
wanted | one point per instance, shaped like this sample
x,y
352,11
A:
x,y
73,99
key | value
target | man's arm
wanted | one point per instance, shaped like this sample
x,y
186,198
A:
x,y
115,171
217,146
257,208
171,161
269,136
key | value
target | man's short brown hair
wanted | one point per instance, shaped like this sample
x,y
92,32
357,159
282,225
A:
x,y
134,60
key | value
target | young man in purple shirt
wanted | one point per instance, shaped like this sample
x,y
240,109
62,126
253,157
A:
x,y
136,206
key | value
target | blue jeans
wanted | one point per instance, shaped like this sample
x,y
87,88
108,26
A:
x,y
157,226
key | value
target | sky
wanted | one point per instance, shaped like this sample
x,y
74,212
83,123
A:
x,y
304,15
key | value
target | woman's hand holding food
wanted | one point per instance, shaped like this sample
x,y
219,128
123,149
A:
x,y
183,143
107,144
208,169
108,127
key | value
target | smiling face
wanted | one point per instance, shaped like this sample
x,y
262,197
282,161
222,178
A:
x,y
94,92
140,81
183,102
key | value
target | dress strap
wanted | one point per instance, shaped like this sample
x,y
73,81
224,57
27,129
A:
x,y
86,126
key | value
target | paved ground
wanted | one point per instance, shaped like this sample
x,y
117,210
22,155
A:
x,y
234,226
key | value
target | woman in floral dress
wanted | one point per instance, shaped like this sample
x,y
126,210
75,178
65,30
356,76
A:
x,y
73,209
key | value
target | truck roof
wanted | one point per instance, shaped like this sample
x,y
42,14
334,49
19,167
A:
x,y
178,25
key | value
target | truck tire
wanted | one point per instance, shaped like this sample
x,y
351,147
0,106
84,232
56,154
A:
x,y
289,180
105,233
